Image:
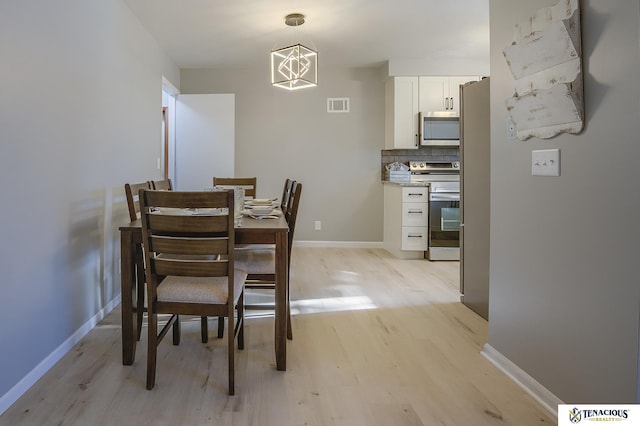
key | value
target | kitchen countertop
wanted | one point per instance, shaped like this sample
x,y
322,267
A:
x,y
388,182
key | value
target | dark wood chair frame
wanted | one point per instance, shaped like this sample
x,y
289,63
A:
x,y
189,246
268,280
131,191
249,184
164,185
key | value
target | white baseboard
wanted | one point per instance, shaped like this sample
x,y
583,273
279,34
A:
x,y
538,392
34,375
339,244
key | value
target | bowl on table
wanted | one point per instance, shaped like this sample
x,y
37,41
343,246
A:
x,y
261,211
261,202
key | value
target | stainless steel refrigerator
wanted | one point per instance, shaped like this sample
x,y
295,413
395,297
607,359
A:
x,y
475,168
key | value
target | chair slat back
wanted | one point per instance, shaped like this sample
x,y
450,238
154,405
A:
x,y
162,185
248,183
185,242
292,211
284,201
131,191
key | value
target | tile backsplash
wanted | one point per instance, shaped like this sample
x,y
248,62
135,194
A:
x,y
424,153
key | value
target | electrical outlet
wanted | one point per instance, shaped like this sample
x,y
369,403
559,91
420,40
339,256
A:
x,y
545,162
318,225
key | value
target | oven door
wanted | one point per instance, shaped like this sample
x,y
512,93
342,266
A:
x,y
444,226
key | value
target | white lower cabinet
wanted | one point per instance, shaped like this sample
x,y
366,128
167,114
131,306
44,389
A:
x,y
406,220
414,238
415,214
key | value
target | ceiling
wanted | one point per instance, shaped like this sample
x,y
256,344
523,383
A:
x,y
351,33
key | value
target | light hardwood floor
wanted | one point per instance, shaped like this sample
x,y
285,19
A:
x,y
377,341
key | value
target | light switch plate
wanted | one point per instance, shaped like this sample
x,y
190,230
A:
x,y
545,162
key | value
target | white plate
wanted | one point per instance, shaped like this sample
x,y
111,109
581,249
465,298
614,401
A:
x,y
261,202
251,213
261,211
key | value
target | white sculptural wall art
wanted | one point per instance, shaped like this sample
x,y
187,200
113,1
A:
x,y
545,61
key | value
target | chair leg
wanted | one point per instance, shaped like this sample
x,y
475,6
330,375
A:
x,y
140,278
220,327
240,308
289,330
176,331
204,329
231,350
152,347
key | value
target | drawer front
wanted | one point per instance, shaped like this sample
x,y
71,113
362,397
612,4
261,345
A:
x,y
415,214
415,194
415,238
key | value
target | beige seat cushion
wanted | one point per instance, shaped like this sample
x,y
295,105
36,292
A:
x,y
200,289
259,261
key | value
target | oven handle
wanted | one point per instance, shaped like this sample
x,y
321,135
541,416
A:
x,y
444,196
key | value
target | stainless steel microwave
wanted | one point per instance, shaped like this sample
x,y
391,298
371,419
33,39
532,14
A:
x,y
439,128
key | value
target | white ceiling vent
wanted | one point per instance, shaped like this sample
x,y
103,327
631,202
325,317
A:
x,y
337,104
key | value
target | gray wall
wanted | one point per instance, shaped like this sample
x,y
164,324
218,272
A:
x,y
564,301
80,115
336,156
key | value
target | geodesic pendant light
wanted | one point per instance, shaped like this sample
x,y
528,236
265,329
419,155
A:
x,y
294,67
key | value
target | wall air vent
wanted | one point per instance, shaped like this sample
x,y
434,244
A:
x,y
337,104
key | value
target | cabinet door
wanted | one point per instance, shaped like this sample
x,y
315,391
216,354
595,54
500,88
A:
x,y
401,111
454,90
433,91
442,93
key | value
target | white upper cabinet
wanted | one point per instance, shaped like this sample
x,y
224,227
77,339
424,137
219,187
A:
x,y
442,93
401,113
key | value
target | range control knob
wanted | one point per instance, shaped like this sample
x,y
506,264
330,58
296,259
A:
x,y
456,164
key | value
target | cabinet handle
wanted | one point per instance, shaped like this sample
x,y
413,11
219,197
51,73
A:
x,y
414,235
446,104
451,103
413,194
414,211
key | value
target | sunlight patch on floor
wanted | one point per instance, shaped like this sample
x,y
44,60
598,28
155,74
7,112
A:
x,y
346,276
332,304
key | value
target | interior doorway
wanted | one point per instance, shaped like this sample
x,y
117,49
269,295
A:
x,y
168,135
165,142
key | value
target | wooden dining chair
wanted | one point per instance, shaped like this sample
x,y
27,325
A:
x,y
131,193
190,267
166,185
248,183
162,185
284,201
259,261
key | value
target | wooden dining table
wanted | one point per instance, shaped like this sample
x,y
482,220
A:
x,y
250,231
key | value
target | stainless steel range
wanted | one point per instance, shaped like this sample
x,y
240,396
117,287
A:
x,y
444,206
423,171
